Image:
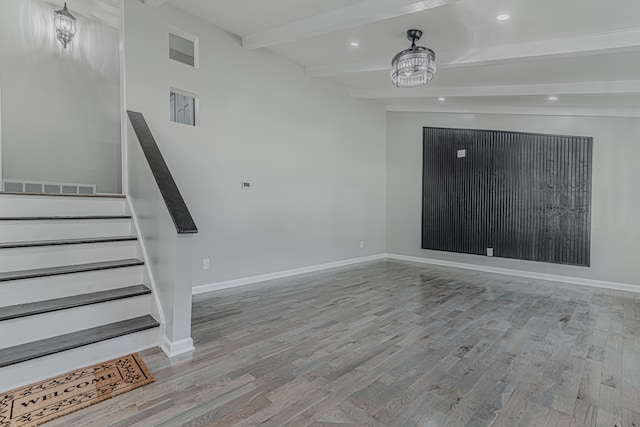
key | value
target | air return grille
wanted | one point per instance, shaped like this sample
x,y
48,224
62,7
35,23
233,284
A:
x,y
17,186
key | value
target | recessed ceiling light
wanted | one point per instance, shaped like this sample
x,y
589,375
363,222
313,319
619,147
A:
x,y
355,44
503,17
441,98
553,98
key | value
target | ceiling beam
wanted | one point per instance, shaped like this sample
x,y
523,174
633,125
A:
x,y
350,68
575,88
154,3
111,3
520,110
593,44
355,15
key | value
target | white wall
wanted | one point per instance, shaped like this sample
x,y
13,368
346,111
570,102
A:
x,y
315,157
615,233
60,108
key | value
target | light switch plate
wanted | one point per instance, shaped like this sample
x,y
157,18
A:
x,y
462,153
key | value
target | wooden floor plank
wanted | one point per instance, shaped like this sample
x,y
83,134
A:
x,y
392,343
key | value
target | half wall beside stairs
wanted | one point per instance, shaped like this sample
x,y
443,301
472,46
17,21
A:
x,y
166,230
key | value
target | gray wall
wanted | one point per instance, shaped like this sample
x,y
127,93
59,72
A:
x,y
315,156
615,230
60,108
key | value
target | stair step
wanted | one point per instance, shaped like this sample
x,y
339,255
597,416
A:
x,y
47,218
24,352
68,269
40,307
20,230
60,242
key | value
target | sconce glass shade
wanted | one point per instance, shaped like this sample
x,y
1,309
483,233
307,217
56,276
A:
x,y
415,66
65,25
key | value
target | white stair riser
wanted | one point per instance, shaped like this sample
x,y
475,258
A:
x,y
26,373
44,288
32,328
23,230
54,256
23,205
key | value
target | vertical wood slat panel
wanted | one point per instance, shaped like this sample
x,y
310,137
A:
x,y
527,196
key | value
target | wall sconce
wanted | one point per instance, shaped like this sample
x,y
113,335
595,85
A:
x,y
65,25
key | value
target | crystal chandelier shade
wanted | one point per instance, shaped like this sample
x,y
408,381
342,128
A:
x,y
65,24
415,66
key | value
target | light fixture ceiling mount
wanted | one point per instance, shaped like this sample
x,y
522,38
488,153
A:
x,y
415,66
65,25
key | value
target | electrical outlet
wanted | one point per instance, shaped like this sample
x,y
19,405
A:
x,y
489,251
462,153
361,244
206,263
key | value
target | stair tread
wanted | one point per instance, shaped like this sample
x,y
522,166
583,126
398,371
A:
x,y
68,269
60,242
48,346
64,217
40,307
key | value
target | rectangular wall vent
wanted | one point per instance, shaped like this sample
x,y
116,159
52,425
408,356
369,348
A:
x,y
18,186
30,187
184,47
51,189
14,187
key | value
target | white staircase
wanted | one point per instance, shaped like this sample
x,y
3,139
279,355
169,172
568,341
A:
x,y
72,286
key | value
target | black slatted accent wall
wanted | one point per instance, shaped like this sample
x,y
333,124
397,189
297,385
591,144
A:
x,y
526,196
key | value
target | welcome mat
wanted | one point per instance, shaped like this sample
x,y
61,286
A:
x,y
50,399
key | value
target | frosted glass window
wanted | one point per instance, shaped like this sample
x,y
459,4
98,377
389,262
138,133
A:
x,y
183,108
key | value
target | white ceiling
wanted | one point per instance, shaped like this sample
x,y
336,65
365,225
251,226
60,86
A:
x,y
584,52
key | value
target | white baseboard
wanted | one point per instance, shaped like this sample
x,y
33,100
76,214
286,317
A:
x,y
200,289
175,348
521,273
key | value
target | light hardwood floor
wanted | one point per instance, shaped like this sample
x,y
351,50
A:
x,y
392,343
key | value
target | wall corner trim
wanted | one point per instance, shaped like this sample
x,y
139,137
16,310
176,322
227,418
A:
x,y
521,273
216,286
175,348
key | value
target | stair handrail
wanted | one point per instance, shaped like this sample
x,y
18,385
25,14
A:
x,y
168,189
